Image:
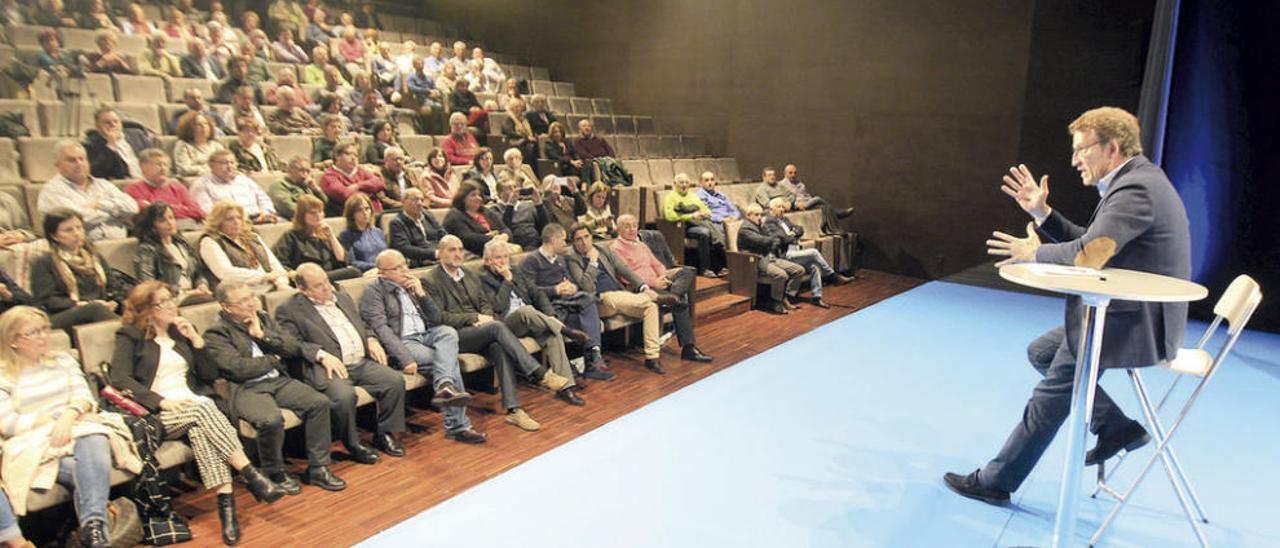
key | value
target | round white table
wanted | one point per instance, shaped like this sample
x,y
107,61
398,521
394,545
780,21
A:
x,y
1096,288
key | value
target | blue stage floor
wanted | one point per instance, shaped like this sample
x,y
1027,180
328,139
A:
x,y
840,437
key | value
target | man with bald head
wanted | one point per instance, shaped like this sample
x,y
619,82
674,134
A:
x,y
105,209
804,200
401,314
341,354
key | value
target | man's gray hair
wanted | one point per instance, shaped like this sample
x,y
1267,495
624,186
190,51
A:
x,y
754,208
150,155
306,269
223,292
551,231
493,246
61,147
779,201
627,218
387,255
450,238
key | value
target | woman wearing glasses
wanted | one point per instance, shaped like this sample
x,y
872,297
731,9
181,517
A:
x,y
48,419
160,358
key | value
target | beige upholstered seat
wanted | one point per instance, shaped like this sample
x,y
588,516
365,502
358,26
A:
x,y
543,87
603,124
178,86
602,106
288,146
581,105
560,106
639,170
650,146
9,170
140,89
118,253
564,89
625,147
37,157
624,125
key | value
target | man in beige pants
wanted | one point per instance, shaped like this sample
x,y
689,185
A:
x,y
596,270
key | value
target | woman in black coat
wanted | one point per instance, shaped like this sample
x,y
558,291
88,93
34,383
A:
x,y
163,254
71,282
471,222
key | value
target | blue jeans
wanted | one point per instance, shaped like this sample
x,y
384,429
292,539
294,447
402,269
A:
x,y
436,353
8,522
813,261
88,474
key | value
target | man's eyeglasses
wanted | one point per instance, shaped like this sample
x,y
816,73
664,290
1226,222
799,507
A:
x,y
1076,151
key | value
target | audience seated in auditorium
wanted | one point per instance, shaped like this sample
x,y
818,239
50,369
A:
x,y
394,177
460,146
563,153
539,116
198,63
438,181
233,252
345,177
460,60
311,240
411,328
666,282
493,73
683,205
95,17
71,282
340,354
447,80
333,126
135,22
194,99
483,174
361,239
352,51
104,209
523,211
249,349
517,132
471,222
195,146
48,407
754,237
243,104
419,94
113,148
804,200
464,306
789,234
286,50
164,255
156,61
598,271
52,57
290,118
161,360
528,316
253,155
225,184
435,61
296,183
53,13
158,186
415,232
175,24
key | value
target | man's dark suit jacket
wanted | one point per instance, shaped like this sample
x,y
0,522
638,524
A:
x,y
584,275
499,291
230,346
299,317
753,238
462,302
1144,218
472,234
774,226
380,309
408,239
107,163
192,68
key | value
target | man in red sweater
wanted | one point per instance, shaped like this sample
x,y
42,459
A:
x,y
157,186
346,177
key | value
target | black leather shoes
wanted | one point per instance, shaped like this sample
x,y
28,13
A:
x,y
468,436
387,444
968,486
667,299
818,302
597,374
361,453
574,335
227,516
571,397
653,365
94,534
692,354
838,279
844,213
287,483
1130,438
262,488
321,477
449,396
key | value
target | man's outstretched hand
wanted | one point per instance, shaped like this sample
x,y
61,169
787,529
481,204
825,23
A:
x,y
1018,250
1031,196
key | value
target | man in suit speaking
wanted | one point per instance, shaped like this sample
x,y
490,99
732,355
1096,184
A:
x,y
1139,224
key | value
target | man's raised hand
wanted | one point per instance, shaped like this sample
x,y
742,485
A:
x,y
1031,196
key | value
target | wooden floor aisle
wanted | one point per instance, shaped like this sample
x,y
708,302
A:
x,y
380,495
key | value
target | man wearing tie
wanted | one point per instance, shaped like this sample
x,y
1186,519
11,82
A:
x,y
1140,224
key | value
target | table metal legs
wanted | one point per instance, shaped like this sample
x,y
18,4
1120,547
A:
x,y
1086,382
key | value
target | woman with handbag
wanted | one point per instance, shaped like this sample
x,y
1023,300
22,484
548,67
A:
x,y
159,358
46,406
71,282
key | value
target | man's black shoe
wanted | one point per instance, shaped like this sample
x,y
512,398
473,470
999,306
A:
x,y
818,302
388,444
287,483
1132,437
574,335
321,477
597,374
569,396
653,365
468,436
968,486
692,354
450,396
362,454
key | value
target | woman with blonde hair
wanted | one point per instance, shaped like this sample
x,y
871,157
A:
x,y
599,216
48,421
195,145
160,358
71,281
312,241
232,251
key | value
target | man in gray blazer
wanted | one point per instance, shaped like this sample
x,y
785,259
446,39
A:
x,y
1140,224
340,354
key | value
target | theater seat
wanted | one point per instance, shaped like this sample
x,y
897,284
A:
x,y
118,253
178,86
288,146
645,125
140,89
539,73
625,147
25,35
686,166
560,106
9,170
692,146
602,106
727,169
650,146
63,119
564,89
543,87
147,114
603,124
37,157
639,170
417,146
624,125
581,105
661,172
